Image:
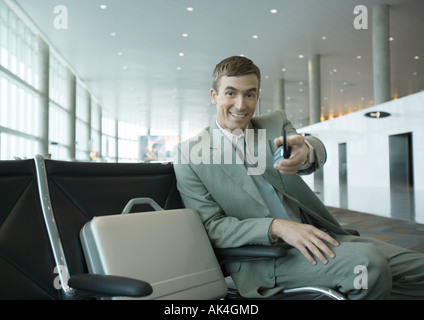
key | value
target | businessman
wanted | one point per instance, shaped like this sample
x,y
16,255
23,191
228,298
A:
x,y
227,173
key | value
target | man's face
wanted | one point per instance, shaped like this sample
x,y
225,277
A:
x,y
236,101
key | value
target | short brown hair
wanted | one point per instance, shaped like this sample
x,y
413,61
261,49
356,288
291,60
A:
x,y
233,67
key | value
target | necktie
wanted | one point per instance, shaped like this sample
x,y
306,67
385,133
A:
x,y
240,151
266,190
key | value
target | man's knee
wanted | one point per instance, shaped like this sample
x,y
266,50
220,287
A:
x,y
372,275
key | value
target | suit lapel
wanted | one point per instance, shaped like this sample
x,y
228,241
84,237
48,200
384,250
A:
x,y
272,175
293,187
237,172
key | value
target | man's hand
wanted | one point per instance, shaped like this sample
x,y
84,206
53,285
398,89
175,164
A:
x,y
309,240
298,157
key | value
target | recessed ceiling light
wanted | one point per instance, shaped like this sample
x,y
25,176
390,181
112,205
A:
x,y
255,36
125,67
185,35
120,53
273,11
181,54
301,56
113,34
416,57
284,69
324,38
179,68
391,38
190,9
103,6
359,57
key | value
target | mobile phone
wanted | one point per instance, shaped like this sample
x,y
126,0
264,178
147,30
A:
x,y
283,151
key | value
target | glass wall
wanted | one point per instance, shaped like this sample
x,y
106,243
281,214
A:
x,y
78,129
82,126
59,115
19,98
128,141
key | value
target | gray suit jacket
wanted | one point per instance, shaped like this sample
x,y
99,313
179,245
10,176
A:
x,y
231,207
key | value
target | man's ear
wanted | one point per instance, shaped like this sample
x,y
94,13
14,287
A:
x,y
213,96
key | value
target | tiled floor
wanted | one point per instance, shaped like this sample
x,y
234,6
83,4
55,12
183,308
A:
x,y
404,204
400,232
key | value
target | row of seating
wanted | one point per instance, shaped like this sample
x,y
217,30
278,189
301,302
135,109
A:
x,y
44,204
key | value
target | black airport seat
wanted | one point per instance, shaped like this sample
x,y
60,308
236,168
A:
x,y
27,267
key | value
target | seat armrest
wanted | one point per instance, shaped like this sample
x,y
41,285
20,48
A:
x,y
88,285
249,252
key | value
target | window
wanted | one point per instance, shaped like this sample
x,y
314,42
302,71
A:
x,y
22,110
108,139
128,142
82,123
96,135
19,99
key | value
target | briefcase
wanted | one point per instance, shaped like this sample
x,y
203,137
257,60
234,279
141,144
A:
x,y
167,248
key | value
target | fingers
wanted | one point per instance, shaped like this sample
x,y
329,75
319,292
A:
x,y
289,166
315,246
298,156
296,140
278,141
311,250
309,240
307,255
319,250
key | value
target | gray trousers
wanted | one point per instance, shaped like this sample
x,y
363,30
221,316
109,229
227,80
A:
x,y
364,268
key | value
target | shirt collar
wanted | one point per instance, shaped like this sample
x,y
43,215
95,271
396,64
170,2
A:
x,y
231,136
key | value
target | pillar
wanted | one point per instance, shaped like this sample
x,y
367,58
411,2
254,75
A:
x,y
90,134
72,105
116,141
279,95
381,53
314,73
44,71
100,136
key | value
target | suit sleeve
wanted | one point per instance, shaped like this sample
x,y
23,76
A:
x,y
320,153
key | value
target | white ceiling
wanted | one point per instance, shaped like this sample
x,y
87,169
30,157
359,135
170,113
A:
x,y
150,84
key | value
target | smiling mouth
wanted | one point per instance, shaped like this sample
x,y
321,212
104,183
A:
x,y
238,115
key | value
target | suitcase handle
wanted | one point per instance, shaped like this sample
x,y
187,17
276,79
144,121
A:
x,y
135,201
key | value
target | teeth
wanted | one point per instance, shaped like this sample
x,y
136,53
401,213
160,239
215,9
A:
x,y
238,115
